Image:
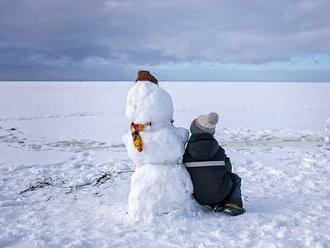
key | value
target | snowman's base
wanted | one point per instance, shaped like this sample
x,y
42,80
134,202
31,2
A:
x,y
159,189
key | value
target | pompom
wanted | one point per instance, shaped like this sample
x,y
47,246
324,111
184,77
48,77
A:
x,y
213,118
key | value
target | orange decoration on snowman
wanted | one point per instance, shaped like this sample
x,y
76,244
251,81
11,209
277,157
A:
x,y
137,139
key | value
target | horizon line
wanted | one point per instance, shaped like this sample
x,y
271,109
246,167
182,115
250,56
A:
x,y
211,81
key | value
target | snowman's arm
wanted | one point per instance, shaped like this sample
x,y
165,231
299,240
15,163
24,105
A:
x,y
183,134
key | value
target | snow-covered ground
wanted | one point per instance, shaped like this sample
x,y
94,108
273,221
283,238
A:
x,y
62,140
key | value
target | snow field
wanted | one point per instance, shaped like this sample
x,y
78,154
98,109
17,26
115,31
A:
x,y
69,135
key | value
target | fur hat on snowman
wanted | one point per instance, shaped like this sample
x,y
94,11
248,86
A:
x,y
145,76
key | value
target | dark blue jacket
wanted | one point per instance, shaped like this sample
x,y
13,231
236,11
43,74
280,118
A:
x,y
209,168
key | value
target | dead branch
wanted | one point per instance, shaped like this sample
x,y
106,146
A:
x,y
39,184
48,182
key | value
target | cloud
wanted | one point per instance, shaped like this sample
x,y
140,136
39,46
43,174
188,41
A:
x,y
82,34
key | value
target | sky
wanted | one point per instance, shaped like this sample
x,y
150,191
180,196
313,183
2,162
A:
x,y
217,40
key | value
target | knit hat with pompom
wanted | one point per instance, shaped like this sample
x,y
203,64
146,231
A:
x,y
204,123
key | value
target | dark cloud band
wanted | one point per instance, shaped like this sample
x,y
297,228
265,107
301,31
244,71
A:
x,y
127,33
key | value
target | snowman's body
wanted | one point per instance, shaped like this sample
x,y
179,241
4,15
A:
x,y
160,183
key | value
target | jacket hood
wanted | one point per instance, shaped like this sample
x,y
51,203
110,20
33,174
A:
x,y
202,146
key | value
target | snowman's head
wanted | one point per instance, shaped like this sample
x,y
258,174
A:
x,y
148,102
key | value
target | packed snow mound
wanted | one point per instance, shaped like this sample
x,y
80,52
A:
x,y
327,133
164,145
158,190
147,102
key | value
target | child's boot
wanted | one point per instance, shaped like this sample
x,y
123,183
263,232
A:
x,y
233,209
218,209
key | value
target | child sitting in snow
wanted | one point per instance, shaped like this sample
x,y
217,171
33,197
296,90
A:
x,y
210,169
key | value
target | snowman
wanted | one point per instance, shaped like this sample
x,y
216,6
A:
x,y
160,184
